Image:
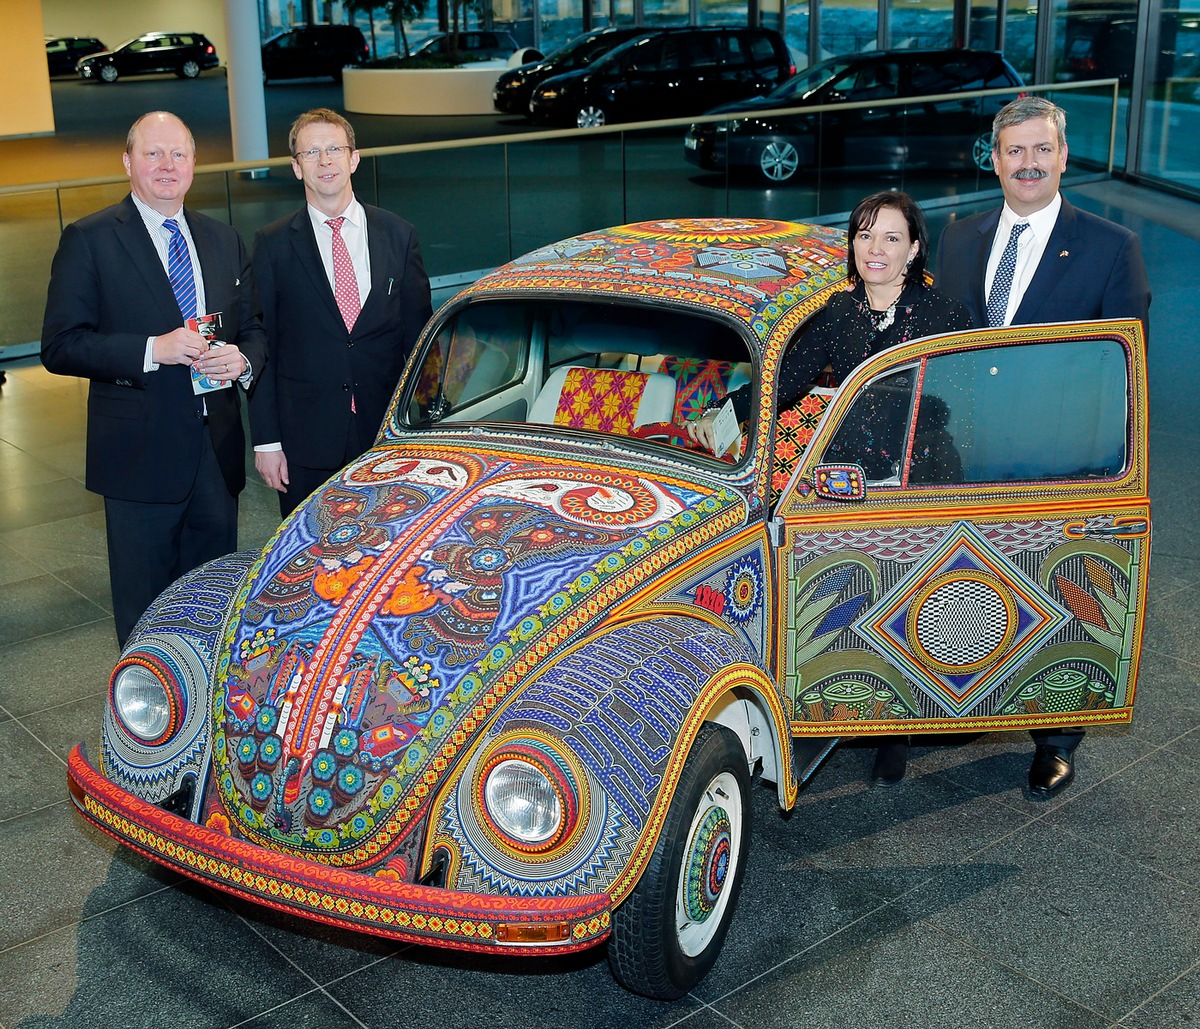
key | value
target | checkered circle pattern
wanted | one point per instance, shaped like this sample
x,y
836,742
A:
x,y
345,285
962,622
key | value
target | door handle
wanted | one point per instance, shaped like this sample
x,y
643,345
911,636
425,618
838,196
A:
x,y
1123,527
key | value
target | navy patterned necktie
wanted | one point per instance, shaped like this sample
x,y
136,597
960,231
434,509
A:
x,y
997,304
179,270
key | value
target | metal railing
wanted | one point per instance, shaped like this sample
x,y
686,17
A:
x,y
477,203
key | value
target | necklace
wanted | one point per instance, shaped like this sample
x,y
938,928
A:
x,y
880,319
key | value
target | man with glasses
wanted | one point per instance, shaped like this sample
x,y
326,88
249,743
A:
x,y
344,295
130,288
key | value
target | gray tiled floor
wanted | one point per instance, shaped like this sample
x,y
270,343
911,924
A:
x,y
951,901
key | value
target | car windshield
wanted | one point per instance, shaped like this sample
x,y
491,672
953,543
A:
x,y
607,369
809,81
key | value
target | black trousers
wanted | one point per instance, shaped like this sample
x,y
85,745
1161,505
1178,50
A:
x,y
303,480
152,545
1067,739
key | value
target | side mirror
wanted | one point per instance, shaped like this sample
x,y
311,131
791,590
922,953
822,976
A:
x,y
845,482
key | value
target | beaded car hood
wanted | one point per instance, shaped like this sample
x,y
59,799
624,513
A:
x,y
392,613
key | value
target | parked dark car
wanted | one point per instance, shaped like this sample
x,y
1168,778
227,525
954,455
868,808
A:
x,y
945,134
477,45
665,73
186,54
62,52
514,87
311,51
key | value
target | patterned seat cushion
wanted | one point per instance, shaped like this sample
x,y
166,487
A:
x,y
699,384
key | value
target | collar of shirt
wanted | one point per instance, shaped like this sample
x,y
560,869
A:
x,y
354,235
160,236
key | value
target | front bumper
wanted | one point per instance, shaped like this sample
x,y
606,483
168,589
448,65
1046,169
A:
x,y
401,911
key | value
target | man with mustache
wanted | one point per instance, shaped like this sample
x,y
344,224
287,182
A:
x,y
1038,259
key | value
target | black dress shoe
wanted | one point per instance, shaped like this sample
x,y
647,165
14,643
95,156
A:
x,y
1052,771
891,759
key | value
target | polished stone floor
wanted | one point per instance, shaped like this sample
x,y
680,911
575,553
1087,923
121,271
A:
x,y
950,901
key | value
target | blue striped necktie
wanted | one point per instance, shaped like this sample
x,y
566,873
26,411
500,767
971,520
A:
x,y
179,270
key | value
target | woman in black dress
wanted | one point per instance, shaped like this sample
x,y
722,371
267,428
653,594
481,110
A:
x,y
888,303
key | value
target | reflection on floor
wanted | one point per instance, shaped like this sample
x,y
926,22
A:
x,y
949,901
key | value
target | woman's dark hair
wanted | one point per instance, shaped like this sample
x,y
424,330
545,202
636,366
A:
x,y
863,217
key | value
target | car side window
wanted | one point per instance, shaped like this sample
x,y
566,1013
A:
x,y
874,432
1037,412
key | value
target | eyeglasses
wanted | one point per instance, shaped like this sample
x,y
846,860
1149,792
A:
x,y
332,152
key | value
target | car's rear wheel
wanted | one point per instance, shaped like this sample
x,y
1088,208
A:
x,y
189,69
981,153
778,160
667,934
590,116
109,73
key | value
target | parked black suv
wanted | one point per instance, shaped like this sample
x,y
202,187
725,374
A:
x,y
308,51
62,52
514,87
665,73
187,54
474,45
945,134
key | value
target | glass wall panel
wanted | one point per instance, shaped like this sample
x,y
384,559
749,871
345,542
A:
x,y
848,27
29,232
982,31
926,23
561,20
795,31
1094,40
719,12
1020,32
1170,140
667,12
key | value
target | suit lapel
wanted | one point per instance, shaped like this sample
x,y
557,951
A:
x,y
1056,259
135,239
379,247
977,261
304,245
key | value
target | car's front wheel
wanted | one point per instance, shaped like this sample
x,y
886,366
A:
x,y
189,69
667,934
590,116
981,153
778,160
109,73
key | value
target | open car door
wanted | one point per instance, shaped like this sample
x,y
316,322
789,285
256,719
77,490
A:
x,y
965,543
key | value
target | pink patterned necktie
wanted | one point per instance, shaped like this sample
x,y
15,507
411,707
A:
x,y
345,285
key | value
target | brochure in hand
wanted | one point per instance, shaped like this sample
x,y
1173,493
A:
x,y
207,325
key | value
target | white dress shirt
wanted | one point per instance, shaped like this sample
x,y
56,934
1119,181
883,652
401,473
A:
x,y
1031,244
354,235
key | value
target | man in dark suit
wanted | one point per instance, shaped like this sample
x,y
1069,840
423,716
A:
x,y
169,461
345,296
1038,259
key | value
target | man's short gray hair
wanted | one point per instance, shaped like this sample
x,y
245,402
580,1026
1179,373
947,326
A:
x,y
1022,109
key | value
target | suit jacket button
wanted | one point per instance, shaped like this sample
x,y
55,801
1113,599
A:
x,y
346,387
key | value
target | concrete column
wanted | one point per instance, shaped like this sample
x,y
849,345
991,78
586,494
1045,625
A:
x,y
247,106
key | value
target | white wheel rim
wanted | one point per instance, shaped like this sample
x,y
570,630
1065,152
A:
x,y
779,161
589,118
983,153
710,856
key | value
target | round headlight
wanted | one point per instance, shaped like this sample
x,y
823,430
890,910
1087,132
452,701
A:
x,y
522,802
141,703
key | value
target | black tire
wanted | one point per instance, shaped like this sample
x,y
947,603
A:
x,y
778,160
108,73
661,945
189,70
590,116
